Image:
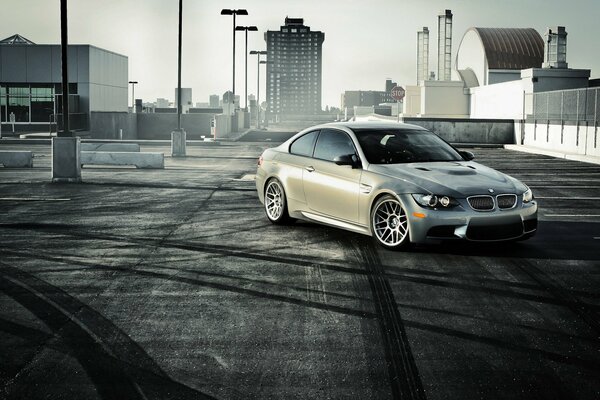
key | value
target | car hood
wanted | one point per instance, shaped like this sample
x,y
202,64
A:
x,y
453,178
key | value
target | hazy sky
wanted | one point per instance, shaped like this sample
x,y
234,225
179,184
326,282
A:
x,y
366,41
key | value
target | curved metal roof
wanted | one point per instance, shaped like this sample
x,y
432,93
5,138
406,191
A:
x,y
512,48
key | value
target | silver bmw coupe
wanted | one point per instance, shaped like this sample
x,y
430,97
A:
x,y
396,182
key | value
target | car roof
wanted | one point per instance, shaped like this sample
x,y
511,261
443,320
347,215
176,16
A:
x,y
372,125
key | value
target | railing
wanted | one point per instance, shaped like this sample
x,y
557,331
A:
x,y
575,105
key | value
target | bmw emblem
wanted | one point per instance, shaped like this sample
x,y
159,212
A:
x,y
491,190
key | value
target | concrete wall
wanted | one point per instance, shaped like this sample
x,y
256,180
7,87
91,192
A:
x,y
582,139
469,130
502,100
106,125
444,99
471,55
160,126
107,80
412,100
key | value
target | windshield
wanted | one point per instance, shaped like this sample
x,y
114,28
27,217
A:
x,y
397,146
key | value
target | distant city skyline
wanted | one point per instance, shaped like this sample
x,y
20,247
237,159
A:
x,y
366,41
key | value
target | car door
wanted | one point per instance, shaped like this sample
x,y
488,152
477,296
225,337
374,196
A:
x,y
300,155
332,189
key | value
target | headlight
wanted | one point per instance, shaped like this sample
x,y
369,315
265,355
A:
x,y
527,196
435,201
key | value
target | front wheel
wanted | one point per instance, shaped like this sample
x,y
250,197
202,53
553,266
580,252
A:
x,y
276,203
389,223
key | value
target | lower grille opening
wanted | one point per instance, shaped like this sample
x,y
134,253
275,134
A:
x,y
530,225
495,232
442,231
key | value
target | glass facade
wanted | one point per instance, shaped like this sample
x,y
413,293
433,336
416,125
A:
x,y
2,104
34,103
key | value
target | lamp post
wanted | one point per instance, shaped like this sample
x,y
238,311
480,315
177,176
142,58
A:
x,y
178,137
66,165
133,83
258,62
246,29
226,11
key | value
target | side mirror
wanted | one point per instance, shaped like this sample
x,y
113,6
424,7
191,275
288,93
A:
x,y
467,155
347,159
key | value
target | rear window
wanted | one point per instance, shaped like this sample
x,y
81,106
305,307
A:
x,y
397,146
304,145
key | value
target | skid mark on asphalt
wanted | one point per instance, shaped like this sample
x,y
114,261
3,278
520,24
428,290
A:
x,y
203,283
404,375
563,296
117,365
315,290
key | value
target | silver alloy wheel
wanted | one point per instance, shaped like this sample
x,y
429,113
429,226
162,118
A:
x,y
274,200
390,223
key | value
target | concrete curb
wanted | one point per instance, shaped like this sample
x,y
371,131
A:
x,y
16,159
557,154
140,160
135,141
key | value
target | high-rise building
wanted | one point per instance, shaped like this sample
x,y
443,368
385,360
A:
x,y
422,54
213,101
444,45
294,69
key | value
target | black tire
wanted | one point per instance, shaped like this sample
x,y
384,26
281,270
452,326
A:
x,y
276,203
389,223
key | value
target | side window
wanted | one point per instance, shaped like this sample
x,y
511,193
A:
x,y
332,144
303,146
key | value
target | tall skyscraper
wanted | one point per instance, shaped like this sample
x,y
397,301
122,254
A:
x,y
422,54
444,45
294,69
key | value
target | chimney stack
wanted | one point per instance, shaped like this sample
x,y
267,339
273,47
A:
x,y
555,48
444,45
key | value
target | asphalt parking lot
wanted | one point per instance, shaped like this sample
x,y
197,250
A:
x,y
172,284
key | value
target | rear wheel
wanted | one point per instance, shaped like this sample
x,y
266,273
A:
x,y
276,203
389,223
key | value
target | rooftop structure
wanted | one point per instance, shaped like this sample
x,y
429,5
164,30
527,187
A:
x,y
493,55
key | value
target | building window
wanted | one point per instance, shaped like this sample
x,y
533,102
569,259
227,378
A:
x,y
42,104
2,104
18,103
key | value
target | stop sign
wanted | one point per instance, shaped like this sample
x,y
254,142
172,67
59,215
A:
x,y
398,93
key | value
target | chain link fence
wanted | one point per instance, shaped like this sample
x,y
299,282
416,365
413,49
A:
x,y
576,105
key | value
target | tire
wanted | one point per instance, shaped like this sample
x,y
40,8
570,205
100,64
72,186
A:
x,y
389,223
276,203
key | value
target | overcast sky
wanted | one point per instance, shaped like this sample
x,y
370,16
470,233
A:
x,y
366,41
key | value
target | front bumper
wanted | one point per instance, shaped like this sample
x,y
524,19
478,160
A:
x,y
462,222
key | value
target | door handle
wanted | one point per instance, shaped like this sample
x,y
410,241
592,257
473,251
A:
x,y
309,169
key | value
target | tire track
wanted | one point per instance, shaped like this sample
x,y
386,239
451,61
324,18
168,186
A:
x,y
404,376
118,366
563,296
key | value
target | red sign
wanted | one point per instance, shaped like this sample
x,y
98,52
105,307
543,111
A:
x,y
398,93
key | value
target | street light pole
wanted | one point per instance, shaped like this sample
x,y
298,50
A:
x,y
133,83
258,62
178,136
246,29
179,70
65,73
234,13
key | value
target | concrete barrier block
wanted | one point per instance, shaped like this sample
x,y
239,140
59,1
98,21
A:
x,y
16,159
114,147
140,160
